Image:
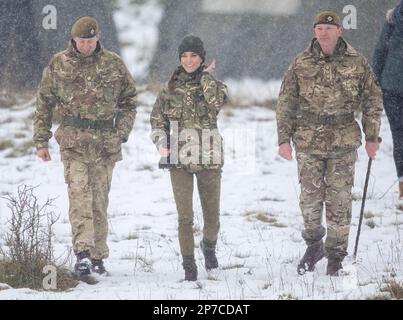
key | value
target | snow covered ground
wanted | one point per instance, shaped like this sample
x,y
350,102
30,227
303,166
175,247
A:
x,y
259,243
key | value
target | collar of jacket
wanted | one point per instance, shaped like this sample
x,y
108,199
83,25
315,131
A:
x,y
181,77
78,56
342,49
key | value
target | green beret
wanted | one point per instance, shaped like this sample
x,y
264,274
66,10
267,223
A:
x,y
85,27
327,17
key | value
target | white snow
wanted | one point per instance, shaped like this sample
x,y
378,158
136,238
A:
x,y
258,259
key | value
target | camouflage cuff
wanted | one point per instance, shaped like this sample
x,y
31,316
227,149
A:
x,y
162,142
41,145
123,137
206,77
371,138
283,140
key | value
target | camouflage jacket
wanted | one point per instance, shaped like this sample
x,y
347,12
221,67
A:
x,y
188,108
318,87
98,87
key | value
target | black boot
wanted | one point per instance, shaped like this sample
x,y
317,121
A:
x,y
97,266
190,267
333,266
208,249
313,254
83,265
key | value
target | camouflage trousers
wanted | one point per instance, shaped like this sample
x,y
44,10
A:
x,y
327,181
209,185
88,189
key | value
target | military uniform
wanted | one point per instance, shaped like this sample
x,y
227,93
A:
x,y
318,98
193,104
96,97
190,104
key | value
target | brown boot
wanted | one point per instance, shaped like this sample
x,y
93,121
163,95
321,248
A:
x,y
333,266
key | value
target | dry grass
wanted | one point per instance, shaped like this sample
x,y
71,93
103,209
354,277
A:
x,y
379,297
265,218
287,296
20,135
6,144
233,266
279,225
272,199
394,288
17,275
369,215
23,149
370,223
131,236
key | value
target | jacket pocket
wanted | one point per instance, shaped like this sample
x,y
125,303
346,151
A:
x,y
307,81
350,78
303,138
351,136
68,85
173,110
112,142
110,87
66,138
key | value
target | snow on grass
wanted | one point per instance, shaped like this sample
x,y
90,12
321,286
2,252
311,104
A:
x,y
259,242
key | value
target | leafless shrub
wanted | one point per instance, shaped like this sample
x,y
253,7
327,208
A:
x,y
28,242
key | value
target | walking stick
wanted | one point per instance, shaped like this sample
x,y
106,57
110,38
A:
x,y
364,196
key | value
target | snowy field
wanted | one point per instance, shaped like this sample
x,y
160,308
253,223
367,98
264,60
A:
x,y
260,241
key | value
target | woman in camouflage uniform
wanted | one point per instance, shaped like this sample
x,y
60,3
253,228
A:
x,y
184,123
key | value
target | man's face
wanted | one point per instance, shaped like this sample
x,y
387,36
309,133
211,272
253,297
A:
x,y
86,46
327,34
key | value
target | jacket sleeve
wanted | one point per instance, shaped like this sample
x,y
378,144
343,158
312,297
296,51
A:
x,y
287,106
381,50
372,105
127,105
46,101
214,91
159,122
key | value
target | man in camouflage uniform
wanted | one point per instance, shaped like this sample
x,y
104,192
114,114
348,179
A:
x,y
96,97
321,90
185,113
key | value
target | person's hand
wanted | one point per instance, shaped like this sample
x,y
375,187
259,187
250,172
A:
x,y
164,152
372,148
210,67
285,151
44,154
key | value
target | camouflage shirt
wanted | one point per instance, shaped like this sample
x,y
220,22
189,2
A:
x,y
97,87
318,87
190,103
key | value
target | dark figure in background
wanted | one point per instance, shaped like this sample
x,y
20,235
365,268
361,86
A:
x,y
388,68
